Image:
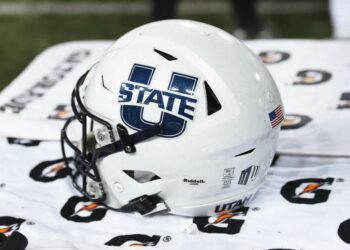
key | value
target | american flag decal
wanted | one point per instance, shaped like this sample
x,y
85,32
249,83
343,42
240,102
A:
x,y
276,116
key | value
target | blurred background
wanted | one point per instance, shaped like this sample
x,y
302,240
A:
x,y
27,27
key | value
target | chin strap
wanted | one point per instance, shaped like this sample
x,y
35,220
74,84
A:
x,y
145,204
127,142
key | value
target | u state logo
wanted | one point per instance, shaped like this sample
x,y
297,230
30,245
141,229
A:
x,y
177,103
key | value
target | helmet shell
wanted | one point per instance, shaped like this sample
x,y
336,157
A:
x,y
159,73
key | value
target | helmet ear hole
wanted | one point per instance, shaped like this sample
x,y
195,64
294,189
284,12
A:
x,y
142,176
213,103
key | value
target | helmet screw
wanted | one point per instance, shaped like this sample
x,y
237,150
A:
x,y
128,149
100,135
118,187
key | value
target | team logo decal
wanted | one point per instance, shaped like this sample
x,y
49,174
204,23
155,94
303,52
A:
x,y
23,142
311,77
273,56
307,191
344,231
176,105
344,102
48,171
61,112
9,224
294,121
219,209
248,175
81,209
227,223
134,240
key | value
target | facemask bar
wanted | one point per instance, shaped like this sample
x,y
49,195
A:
x,y
85,161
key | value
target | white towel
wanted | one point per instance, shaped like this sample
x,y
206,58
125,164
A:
x,y
37,198
304,203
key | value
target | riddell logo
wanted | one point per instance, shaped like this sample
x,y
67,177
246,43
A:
x,y
81,209
194,182
227,223
48,171
307,191
9,224
134,240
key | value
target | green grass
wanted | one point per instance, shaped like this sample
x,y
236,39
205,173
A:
x,y
21,38
315,26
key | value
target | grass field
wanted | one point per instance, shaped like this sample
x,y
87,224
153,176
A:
x,y
23,37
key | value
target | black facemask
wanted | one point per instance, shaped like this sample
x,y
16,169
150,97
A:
x,y
85,159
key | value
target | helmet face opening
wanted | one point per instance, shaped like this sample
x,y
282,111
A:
x,y
184,125
93,150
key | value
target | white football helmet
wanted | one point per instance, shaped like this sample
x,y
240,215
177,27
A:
x,y
177,115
